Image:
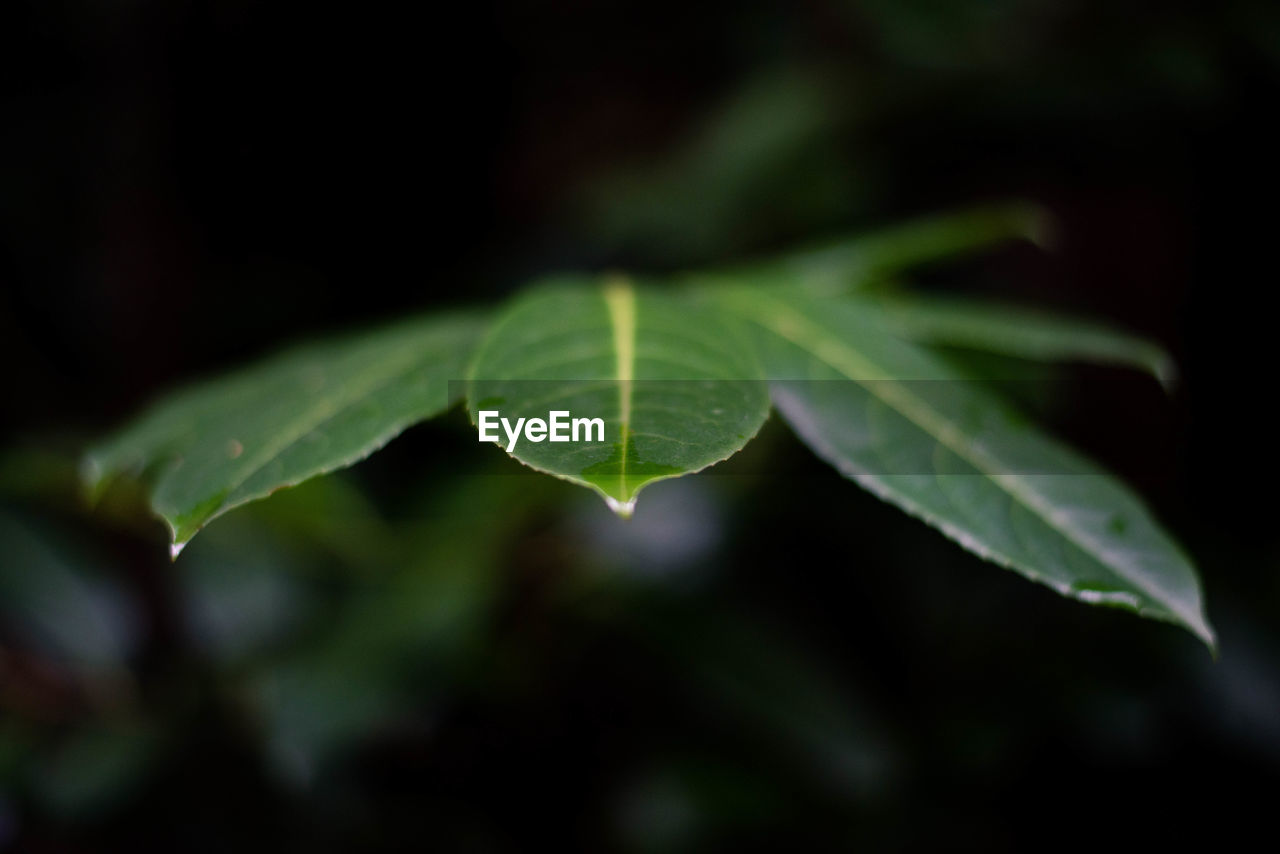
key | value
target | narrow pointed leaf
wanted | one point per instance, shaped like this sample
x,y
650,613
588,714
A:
x,y
676,386
301,413
1021,332
902,424
854,264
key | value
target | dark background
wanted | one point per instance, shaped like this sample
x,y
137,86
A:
x,y
426,651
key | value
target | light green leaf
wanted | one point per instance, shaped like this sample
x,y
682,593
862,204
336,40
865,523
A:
x,y
304,412
909,429
1021,332
676,386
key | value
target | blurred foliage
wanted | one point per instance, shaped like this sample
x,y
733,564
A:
x,y
766,162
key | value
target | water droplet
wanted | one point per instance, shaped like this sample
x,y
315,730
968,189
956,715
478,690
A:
x,y
175,550
622,508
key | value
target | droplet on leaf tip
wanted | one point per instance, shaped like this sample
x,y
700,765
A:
x,y
623,508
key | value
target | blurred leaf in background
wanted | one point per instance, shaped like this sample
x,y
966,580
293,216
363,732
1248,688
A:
x,y
763,163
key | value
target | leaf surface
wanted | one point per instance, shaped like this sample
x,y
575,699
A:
x,y
676,386
858,263
1021,332
301,413
905,426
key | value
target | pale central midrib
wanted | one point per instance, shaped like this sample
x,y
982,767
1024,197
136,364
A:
x,y
818,341
620,299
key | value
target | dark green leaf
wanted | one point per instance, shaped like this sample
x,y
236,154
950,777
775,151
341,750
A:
x,y
308,411
1021,332
909,429
856,263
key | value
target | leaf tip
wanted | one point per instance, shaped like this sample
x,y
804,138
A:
x,y
1166,371
1037,225
624,509
93,480
1205,633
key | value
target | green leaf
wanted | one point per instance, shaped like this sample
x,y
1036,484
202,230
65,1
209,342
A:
x,y
676,386
902,424
304,412
856,263
1021,332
